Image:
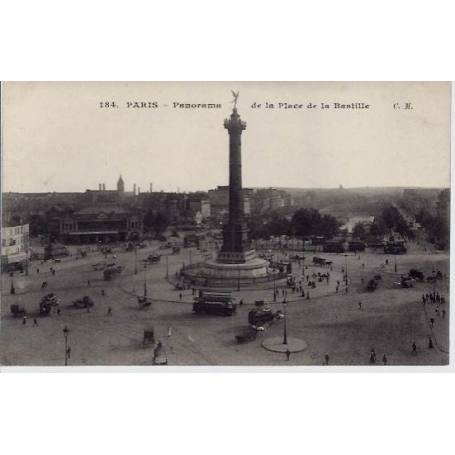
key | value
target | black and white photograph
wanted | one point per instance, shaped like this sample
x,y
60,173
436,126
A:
x,y
226,227
225,224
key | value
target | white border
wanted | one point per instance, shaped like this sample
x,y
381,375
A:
x,y
227,413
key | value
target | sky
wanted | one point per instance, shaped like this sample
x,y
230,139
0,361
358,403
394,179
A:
x,y
56,137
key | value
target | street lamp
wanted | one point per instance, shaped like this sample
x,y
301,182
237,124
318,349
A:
x,y
27,252
66,332
135,259
346,268
285,332
395,264
167,266
274,286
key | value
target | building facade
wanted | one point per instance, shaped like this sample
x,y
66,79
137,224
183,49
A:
x,y
15,245
94,224
219,200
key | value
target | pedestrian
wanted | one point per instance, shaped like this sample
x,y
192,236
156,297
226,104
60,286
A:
x,y
326,359
35,322
109,311
360,304
288,354
180,296
24,320
432,322
241,302
303,293
430,343
58,311
169,331
88,308
384,359
102,292
37,270
443,314
308,295
88,282
414,347
373,356
424,300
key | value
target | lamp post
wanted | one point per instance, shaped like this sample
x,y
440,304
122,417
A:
x,y
346,268
167,267
135,259
27,252
274,286
66,332
395,268
285,331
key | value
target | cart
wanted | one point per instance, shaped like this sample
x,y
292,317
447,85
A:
x,y
17,310
84,302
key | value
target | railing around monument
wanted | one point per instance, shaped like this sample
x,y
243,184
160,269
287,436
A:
x,y
189,274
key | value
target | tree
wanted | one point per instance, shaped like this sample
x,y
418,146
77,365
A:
x,y
308,222
437,226
359,231
156,222
161,223
393,220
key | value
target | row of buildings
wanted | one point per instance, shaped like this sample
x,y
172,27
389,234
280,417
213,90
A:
x,y
107,215
93,211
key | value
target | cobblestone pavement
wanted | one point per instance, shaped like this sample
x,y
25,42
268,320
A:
x,y
389,320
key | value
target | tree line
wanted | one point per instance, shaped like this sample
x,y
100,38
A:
x,y
304,223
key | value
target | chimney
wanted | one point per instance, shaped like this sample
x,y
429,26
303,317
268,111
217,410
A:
x,y
134,189
151,187
104,187
100,187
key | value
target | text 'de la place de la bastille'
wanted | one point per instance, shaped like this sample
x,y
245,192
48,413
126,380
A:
x,y
311,105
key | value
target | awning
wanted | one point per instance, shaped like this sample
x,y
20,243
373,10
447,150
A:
x,y
13,258
95,232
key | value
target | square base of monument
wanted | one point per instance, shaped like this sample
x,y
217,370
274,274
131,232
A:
x,y
236,257
253,269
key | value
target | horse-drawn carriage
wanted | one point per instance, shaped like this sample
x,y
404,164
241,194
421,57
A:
x,y
48,302
248,335
144,301
111,271
84,302
17,310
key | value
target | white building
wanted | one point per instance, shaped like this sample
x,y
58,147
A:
x,y
15,244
